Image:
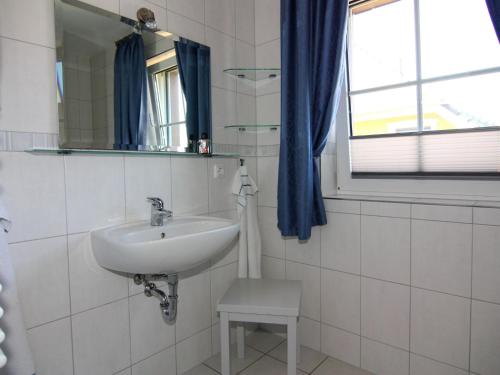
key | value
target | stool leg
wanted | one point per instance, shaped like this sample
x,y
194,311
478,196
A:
x,y
240,340
292,345
224,343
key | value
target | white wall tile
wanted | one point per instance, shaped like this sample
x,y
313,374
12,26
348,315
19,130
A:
x,y
340,344
386,209
440,327
220,15
162,363
310,333
308,252
146,177
37,26
267,16
311,283
50,345
128,8
268,55
488,216
161,3
384,359
340,300
245,58
41,268
441,256
273,268
91,285
93,354
221,279
340,242
28,82
32,188
222,56
268,181
189,185
268,112
385,248
194,301
110,5
328,175
485,338
95,191
385,312
223,113
455,214
221,197
149,332
186,27
194,9
272,242
486,263
193,351
342,206
245,111
425,366
245,20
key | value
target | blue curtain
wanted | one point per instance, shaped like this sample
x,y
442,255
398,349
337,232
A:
x,y
313,35
130,93
193,60
494,8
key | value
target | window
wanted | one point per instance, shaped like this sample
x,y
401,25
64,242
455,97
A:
x,y
424,88
170,107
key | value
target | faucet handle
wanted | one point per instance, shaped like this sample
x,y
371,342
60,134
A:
x,y
156,202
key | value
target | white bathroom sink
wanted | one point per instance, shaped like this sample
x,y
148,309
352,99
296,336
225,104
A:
x,y
182,243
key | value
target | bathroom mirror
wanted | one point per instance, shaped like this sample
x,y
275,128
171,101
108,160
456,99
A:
x,y
125,85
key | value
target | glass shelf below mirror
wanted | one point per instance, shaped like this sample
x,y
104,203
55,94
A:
x,y
69,151
254,74
254,128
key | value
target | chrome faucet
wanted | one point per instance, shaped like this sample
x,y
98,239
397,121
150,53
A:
x,y
158,213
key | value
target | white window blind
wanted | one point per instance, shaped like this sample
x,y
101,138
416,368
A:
x,y
441,153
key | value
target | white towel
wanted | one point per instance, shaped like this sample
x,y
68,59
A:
x,y
15,345
250,247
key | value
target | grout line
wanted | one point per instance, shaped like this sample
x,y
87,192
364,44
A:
x,y
27,42
360,287
410,291
471,278
69,273
320,363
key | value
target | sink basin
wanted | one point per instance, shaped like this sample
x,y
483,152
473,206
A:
x,y
182,243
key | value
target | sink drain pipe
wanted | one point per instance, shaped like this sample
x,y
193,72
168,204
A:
x,y
168,303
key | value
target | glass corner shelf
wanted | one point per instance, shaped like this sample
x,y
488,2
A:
x,y
254,74
255,128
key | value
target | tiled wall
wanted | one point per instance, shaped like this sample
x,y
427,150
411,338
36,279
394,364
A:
x,y
397,288
82,319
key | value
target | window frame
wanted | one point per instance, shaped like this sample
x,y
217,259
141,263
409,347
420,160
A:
x,y
417,83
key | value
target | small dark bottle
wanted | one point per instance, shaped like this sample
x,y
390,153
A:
x,y
191,143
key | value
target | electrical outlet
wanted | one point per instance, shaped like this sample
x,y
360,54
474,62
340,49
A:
x,y
218,171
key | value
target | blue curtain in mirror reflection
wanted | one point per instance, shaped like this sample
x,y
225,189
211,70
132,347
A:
x,y
130,93
193,60
494,8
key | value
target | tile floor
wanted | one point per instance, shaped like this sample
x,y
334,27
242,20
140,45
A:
x,y
266,355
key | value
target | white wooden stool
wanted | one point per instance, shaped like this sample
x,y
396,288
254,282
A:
x,y
260,301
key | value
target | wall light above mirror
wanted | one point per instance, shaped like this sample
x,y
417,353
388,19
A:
x,y
125,85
